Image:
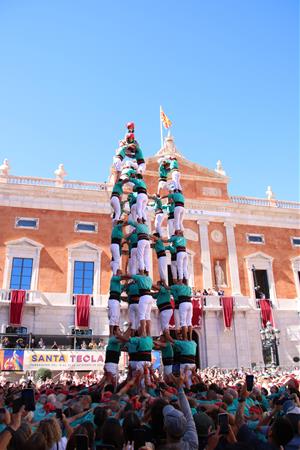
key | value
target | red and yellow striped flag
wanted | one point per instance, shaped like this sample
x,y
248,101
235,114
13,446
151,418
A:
x,y
165,119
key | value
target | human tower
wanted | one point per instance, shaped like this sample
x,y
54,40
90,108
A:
x,y
131,235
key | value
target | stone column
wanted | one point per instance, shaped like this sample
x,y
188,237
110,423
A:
x,y
205,254
232,258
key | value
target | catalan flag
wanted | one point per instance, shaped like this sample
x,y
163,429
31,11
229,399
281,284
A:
x,y
165,120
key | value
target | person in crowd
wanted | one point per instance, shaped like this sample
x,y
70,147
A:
x,y
179,242
184,293
159,213
143,246
133,297
144,283
174,168
163,172
163,302
160,251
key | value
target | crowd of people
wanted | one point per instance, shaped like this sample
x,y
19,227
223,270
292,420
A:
x,y
178,407
145,412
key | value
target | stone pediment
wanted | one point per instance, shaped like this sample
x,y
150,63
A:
x,y
25,243
187,168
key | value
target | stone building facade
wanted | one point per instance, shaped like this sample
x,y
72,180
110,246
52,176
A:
x,y
71,221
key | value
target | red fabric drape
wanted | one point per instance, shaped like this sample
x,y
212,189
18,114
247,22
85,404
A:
x,y
83,306
17,300
266,312
227,304
197,303
172,321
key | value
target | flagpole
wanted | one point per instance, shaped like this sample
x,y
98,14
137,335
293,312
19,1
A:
x,y
161,128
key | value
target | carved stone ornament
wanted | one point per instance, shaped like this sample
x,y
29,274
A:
x,y
217,236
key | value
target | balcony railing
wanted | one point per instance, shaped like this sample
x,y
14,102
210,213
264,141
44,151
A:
x,y
50,182
5,295
253,201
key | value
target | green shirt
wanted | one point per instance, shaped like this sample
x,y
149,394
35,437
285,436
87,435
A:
x,y
138,183
143,281
128,171
159,246
169,208
163,172
158,204
171,249
115,284
174,164
174,292
141,228
185,347
183,290
118,188
167,351
162,296
139,155
122,152
132,198
177,197
132,344
117,231
178,241
145,344
132,289
113,344
132,239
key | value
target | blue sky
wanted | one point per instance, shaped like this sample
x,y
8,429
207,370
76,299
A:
x,y
72,73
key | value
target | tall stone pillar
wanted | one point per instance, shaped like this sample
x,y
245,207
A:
x,y
232,259
205,254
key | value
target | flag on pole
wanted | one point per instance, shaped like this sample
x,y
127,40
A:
x,y
165,119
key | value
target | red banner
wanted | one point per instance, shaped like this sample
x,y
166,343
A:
x,y
83,306
17,300
227,304
266,312
197,303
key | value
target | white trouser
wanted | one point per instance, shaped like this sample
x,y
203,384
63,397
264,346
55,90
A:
x,y
118,163
174,270
161,185
176,319
168,370
132,216
163,268
170,227
132,264
112,368
176,179
178,217
141,168
189,372
116,257
165,317
116,206
159,218
145,305
182,265
133,212
114,312
185,314
133,316
132,365
141,204
143,254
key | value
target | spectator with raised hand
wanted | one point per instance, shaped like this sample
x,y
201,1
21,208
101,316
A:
x,y
179,425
